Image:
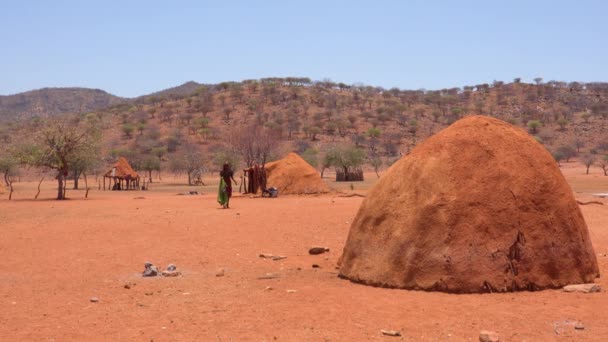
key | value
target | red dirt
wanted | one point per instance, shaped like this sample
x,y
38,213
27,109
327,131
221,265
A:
x,y
293,175
56,255
466,212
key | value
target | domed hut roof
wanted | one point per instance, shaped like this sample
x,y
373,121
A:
x,y
479,207
293,175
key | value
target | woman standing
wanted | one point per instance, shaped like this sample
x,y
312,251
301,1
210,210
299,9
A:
x,y
225,191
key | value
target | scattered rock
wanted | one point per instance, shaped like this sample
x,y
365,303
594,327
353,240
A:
x,y
585,288
266,255
171,267
390,333
94,299
269,276
150,270
129,285
175,273
579,326
318,250
488,336
315,266
278,257
220,272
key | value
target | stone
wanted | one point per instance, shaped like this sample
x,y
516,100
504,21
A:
x,y
317,250
171,267
291,291
150,270
278,257
174,273
269,276
220,272
488,336
390,333
315,266
585,288
94,299
579,326
266,255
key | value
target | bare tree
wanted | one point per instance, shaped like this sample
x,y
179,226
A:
x,y
58,146
255,143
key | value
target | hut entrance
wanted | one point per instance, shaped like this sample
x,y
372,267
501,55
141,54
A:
x,y
121,176
254,179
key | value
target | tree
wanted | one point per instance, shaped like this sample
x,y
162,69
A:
x,y
255,143
346,157
562,122
603,164
558,156
376,162
566,152
8,167
533,125
588,160
373,133
128,129
190,161
58,146
159,152
148,164
311,156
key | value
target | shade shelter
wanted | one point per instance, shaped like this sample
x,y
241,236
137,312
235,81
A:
x,y
121,176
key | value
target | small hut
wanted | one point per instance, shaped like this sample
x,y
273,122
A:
x,y
121,176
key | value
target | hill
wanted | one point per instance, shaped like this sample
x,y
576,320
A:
x,y
51,101
280,115
182,90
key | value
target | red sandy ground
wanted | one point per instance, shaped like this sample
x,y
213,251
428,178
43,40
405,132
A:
x,y
55,256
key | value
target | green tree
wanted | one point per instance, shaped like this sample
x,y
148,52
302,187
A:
x,y
562,122
534,125
345,157
567,152
128,129
311,156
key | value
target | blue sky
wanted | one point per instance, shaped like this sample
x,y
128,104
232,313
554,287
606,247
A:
x,y
130,48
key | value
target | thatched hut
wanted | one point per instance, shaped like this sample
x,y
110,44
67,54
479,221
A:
x,y
121,176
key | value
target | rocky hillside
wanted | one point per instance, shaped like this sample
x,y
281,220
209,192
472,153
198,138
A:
x,y
51,101
296,114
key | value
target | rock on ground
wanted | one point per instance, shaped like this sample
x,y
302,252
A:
x,y
488,336
585,288
318,250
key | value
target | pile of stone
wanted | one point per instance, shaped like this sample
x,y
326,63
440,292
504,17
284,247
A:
x,y
152,271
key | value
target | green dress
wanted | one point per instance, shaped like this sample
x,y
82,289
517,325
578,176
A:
x,y
222,195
